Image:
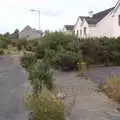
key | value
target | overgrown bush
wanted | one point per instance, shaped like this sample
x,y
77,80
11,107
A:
x,y
112,87
39,75
65,60
55,39
40,51
21,44
32,45
56,49
27,60
63,51
1,52
45,106
101,51
4,42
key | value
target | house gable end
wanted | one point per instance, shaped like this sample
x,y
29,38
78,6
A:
x,y
116,7
77,22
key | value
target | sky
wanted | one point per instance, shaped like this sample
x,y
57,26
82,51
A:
x,y
16,14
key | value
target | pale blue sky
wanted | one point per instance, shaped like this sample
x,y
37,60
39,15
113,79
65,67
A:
x,y
54,13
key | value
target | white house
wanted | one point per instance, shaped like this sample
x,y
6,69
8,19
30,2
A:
x,y
68,29
29,33
103,24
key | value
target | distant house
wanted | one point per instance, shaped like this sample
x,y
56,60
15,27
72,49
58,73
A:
x,y
29,33
68,29
101,24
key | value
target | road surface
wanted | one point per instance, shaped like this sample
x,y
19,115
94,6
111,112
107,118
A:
x,y
13,84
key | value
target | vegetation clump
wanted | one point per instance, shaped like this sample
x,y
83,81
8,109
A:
x,y
112,87
40,74
45,106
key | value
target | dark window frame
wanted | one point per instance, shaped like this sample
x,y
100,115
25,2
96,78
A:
x,y
85,31
119,20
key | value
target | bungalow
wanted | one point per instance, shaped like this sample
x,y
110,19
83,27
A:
x,y
102,24
30,33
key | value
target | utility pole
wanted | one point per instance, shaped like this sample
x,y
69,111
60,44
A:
x,y
38,11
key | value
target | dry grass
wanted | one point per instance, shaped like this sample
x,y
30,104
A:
x,y
45,106
10,50
112,87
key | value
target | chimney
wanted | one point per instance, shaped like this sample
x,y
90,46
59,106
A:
x,y
90,13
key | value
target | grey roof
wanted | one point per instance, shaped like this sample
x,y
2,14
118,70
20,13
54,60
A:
x,y
96,17
69,27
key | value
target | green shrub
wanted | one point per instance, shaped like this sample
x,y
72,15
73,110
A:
x,y
45,106
40,74
32,45
27,60
53,40
21,44
112,87
40,51
19,47
95,51
65,60
3,44
56,49
1,52
106,51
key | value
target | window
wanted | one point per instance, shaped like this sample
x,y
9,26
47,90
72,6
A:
x,y
77,32
28,36
85,30
119,19
80,32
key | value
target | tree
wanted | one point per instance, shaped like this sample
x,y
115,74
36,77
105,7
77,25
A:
x,y
16,33
7,34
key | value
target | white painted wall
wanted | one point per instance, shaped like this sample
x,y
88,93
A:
x,y
109,26
105,27
92,31
116,25
68,32
78,27
85,25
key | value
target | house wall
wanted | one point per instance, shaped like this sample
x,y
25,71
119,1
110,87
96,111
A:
x,y
105,27
109,26
69,32
77,28
29,34
116,26
85,25
92,31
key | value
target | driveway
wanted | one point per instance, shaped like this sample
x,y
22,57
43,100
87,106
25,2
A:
x,y
86,103
99,74
13,84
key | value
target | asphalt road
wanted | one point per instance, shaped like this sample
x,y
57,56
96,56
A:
x,y
13,83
